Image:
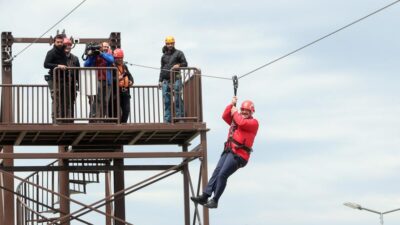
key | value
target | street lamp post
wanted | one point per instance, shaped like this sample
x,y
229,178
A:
x,y
359,207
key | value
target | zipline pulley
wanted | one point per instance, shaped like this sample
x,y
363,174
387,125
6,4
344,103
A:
x,y
235,84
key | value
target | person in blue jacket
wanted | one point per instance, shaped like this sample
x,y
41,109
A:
x,y
101,58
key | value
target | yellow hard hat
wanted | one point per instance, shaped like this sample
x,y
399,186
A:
x,y
169,40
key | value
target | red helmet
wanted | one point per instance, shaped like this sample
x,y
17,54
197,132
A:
x,y
67,42
118,53
248,105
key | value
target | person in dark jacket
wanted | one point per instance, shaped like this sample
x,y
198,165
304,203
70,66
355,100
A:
x,y
72,82
99,106
125,81
56,58
171,61
242,132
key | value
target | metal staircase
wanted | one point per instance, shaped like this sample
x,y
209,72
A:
x,y
79,179
40,206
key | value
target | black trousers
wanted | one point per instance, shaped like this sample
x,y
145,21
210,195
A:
x,y
227,165
125,104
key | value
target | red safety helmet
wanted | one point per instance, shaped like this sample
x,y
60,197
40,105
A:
x,y
67,42
118,53
248,105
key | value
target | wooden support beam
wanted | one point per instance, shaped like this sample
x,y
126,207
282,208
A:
x,y
190,139
61,137
136,138
20,138
99,155
94,136
2,136
79,138
87,168
176,135
154,133
119,136
50,40
36,137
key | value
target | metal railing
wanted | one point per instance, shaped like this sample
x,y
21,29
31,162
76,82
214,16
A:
x,y
37,205
191,94
34,204
85,93
78,97
30,103
146,105
183,95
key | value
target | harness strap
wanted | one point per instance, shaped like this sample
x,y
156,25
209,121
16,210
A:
x,y
240,145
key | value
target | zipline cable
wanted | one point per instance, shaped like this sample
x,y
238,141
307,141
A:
x,y
288,54
158,68
30,44
319,39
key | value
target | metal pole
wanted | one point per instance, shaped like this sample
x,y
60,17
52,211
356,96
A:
x,y
6,116
108,193
390,211
186,200
119,184
1,201
381,218
203,143
63,177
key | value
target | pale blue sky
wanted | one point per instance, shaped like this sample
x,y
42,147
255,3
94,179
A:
x,y
329,115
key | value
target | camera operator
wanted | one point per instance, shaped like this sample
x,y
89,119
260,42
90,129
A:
x,y
99,57
56,58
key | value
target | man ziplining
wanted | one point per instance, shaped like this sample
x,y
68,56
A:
x,y
237,149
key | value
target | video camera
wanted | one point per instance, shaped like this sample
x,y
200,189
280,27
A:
x,y
92,49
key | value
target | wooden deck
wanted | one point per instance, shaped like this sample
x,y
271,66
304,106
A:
x,y
99,134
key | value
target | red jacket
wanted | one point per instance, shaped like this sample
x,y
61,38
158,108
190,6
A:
x,y
245,132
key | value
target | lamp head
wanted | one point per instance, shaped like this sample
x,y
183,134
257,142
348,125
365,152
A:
x,y
353,205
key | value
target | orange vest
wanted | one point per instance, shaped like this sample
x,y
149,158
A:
x,y
123,80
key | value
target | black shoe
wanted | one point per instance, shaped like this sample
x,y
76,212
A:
x,y
201,199
211,204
